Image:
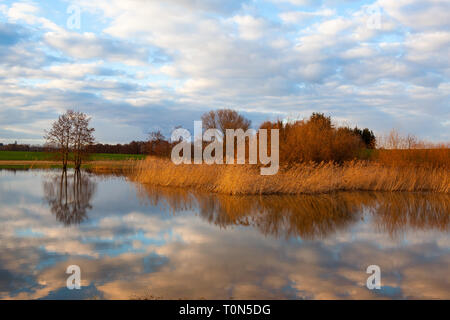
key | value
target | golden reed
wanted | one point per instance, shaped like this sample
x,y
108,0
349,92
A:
x,y
307,178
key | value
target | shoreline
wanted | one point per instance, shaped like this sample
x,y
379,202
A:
x,y
103,165
305,178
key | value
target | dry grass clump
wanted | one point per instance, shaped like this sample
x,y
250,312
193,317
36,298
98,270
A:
x,y
305,178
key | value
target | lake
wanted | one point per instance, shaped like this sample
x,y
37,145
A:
x,y
133,241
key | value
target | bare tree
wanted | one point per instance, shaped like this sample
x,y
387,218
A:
x,y
71,133
225,119
59,136
411,141
394,140
82,136
156,136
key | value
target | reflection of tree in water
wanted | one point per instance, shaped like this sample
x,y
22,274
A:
x,y
69,196
309,216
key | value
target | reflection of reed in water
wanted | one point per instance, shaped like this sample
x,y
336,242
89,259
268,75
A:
x,y
309,216
281,216
69,196
395,212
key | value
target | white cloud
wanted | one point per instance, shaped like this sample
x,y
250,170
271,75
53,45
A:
x,y
250,28
27,12
305,16
295,2
89,46
418,14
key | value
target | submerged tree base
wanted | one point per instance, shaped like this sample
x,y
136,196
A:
x,y
298,179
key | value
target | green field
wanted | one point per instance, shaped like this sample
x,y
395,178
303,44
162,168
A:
x,y
44,156
115,156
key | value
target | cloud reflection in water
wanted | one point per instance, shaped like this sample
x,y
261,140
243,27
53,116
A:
x,y
135,241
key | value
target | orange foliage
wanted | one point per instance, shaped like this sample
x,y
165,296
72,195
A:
x,y
315,140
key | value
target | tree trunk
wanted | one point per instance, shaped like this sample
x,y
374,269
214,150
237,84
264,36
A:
x,y
65,156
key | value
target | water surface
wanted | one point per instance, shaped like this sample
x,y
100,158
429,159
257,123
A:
x,y
134,241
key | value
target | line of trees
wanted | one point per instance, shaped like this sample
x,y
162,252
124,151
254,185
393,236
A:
x,y
315,139
156,145
21,147
134,147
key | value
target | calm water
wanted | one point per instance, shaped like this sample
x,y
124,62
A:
x,y
132,242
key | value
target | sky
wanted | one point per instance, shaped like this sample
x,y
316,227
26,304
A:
x,y
137,66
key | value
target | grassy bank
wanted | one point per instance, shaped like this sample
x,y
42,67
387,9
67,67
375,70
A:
x,y
106,166
297,179
47,156
42,160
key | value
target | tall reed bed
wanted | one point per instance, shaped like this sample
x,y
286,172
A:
x,y
306,178
431,157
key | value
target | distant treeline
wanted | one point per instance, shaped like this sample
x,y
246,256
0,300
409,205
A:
x,y
134,147
159,147
21,147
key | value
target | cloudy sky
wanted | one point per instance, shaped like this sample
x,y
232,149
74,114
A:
x,y
137,66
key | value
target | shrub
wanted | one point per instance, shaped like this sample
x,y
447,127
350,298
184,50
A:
x,y
315,139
